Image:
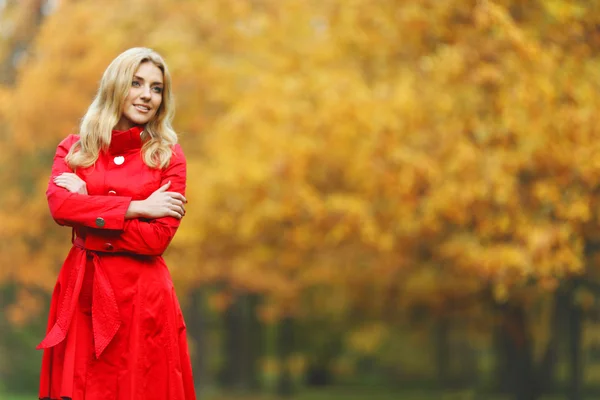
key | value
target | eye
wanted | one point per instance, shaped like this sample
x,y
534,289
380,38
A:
x,y
157,89
135,84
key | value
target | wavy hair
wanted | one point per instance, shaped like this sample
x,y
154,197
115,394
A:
x,y
95,130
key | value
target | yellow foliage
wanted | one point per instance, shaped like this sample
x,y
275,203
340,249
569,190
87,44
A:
x,y
501,293
367,339
342,155
25,308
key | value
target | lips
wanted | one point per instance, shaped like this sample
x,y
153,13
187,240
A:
x,y
141,108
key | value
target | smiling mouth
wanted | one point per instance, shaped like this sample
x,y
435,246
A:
x,y
141,108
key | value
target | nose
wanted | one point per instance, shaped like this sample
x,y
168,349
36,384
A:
x,y
146,94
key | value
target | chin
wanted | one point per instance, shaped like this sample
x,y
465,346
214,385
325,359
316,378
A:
x,y
141,121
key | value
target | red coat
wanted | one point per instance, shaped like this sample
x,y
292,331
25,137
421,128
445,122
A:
x,y
115,329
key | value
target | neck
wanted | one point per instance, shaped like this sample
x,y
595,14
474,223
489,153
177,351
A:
x,y
124,125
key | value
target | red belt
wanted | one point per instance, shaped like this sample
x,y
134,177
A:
x,y
105,312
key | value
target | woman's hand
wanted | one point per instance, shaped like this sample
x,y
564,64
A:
x,y
71,182
159,204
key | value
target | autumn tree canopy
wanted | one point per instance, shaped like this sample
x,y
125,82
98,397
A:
x,y
342,156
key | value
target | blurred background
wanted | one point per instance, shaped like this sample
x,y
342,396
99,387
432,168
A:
x,y
390,199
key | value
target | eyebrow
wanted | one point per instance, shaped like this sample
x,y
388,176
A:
x,y
141,79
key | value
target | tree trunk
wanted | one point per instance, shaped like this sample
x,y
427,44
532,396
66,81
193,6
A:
x,y
198,327
243,345
516,363
575,336
285,346
502,367
546,375
524,378
253,342
442,351
233,368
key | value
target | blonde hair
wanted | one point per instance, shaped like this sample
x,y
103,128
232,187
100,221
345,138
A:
x,y
96,127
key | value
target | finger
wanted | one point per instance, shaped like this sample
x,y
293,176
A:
x,y
68,179
178,209
174,214
71,177
178,205
178,196
74,178
177,202
164,187
68,187
64,184
64,181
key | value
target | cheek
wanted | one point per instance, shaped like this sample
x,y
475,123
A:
x,y
129,99
133,93
157,103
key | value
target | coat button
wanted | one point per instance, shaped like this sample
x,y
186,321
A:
x,y
100,222
112,192
108,246
119,160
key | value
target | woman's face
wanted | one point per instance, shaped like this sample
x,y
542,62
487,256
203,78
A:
x,y
144,98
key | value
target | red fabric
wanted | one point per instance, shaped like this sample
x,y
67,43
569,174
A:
x,y
115,329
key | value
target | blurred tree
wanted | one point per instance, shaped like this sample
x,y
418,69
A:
x,y
19,24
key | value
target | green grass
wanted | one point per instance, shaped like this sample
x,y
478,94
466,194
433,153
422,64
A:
x,y
320,395
344,394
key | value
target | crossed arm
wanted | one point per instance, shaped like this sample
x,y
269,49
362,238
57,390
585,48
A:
x,y
125,227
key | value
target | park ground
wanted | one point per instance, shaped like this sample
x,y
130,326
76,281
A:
x,y
348,394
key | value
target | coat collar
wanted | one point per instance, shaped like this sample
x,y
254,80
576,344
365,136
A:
x,y
123,141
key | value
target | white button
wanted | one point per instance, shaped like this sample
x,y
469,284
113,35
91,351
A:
x,y
112,192
119,160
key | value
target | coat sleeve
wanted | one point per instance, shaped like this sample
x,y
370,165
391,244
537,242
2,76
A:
x,y
139,236
78,210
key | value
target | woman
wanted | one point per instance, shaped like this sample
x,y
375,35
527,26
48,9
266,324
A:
x,y
115,329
